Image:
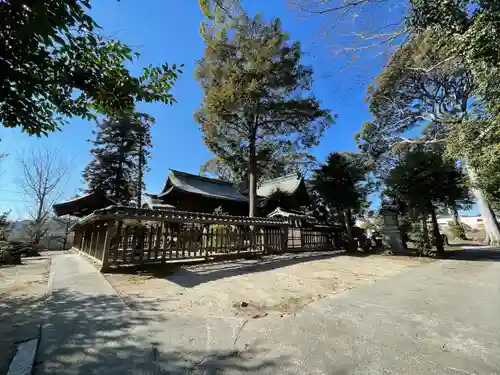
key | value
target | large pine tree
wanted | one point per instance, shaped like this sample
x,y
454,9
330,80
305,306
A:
x,y
120,151
257,104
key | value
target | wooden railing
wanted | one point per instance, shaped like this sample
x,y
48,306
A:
x,y
118,236
121,236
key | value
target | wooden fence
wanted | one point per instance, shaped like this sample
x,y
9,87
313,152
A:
x,y
118,236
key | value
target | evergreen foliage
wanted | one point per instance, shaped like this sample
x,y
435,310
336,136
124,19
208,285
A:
x,y
257,104
120,149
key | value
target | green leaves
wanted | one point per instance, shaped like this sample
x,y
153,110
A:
x,y
343,181
424,178
256,93
54,62
257,108
119,150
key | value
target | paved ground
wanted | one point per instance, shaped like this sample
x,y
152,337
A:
x,y
22,294
441,318
272,285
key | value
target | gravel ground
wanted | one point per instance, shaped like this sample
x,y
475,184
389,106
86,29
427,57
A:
x,y
276,285
22,293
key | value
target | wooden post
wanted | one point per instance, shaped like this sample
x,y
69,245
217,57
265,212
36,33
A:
x,y
177,242
150,241
205,241
284,239
93,238
135,238
241,238
167,244
116,242
77,242
159,229
86,239
108,236
101,238
125,244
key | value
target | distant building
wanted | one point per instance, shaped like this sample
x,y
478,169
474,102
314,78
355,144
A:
x,y
188,192
474,222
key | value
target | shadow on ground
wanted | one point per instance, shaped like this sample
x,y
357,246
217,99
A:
x,y
466,245
85,334
475,254
191,276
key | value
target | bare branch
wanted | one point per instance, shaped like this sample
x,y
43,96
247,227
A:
x,y
429,70
419,141
349,5
42,177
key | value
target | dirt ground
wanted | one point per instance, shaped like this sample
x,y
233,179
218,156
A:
x,y
275,285
22,293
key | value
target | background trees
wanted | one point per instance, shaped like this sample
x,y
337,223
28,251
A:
x,y
425,180
120,152
257,106
55,63
342,185
42,177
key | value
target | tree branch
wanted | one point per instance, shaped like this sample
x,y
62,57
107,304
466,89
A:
x,y
434,66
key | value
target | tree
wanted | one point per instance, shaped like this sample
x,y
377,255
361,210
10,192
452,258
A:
x,y
41,178
470,28
120,152
339,16
425,180
217,10
425,86
414,92
56,64
256,97
342,182
236,172
217,168
144,142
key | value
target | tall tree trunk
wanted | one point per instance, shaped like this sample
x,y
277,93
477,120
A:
x,y
491,226
118,178
37,236
140,176
351,245
252,174
438,243
425,229
458,223
66,232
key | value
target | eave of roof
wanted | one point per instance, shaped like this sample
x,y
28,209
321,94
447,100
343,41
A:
x,y
287,184
83,206
291,215
200,185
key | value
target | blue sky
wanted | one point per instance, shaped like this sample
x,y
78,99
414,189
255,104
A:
x,y
167,31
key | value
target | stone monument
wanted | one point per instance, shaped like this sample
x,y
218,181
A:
x,y
391,235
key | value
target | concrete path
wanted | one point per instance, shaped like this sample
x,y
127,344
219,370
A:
x,y
442,318
88,327
91,330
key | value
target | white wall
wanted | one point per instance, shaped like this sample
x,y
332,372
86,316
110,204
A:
x,y
475,222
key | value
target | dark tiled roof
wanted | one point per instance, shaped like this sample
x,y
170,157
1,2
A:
x,y
83,206
203,186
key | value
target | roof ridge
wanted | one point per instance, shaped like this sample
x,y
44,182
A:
x,y
201,177
282,178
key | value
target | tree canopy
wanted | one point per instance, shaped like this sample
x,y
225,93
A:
x,y
56,63
342,185
257,105
425,180
119,150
